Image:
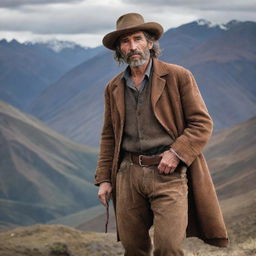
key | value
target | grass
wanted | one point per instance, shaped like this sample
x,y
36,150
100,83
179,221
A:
x,y
246,248
59,240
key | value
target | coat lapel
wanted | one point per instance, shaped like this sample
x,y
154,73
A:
x,y
118,94
158,83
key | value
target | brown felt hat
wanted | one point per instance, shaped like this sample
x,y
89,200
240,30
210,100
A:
x,y
128,23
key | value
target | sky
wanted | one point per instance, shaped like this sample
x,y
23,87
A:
x,y
87,21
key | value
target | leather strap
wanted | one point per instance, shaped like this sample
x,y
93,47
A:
x,y
143,160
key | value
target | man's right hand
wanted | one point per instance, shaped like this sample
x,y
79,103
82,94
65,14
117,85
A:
x,y
104,192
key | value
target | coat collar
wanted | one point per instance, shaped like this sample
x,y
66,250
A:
x,y
118,94
158,84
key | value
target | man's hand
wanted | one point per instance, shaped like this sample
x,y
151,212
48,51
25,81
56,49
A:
x,y
104,192
168,163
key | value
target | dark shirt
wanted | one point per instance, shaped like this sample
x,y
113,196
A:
x,y
143,133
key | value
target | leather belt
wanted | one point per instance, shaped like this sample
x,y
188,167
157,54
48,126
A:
x,y
143,160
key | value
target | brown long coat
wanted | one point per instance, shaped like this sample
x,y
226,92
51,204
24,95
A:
x,y
180,109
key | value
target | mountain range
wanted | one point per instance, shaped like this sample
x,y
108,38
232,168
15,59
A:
x,y
43,174
28,68
222,59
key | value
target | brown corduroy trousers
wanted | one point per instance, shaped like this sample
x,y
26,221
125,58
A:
x,y
145,198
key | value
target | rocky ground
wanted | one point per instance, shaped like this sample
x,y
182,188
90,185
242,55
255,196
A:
x,y
58,240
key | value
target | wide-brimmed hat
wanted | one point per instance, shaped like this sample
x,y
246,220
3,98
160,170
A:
x,y
128,23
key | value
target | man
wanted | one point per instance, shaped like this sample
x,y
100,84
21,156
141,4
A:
x,y
156,125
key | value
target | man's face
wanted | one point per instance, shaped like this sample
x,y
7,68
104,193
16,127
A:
x,y
135,49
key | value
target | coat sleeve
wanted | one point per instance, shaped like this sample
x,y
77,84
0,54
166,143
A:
x,y
198,123
107,145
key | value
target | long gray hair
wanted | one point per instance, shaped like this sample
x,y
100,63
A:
x,y
155,51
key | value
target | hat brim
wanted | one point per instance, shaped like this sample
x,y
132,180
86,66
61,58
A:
x,y
153,28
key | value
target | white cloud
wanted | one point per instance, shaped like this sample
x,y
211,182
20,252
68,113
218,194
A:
x,y
245,5
18,3
88,20
60,18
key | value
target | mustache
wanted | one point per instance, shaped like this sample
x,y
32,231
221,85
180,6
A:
x,y
135,52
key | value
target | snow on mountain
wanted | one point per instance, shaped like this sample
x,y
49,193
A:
x,y
57,45
210,24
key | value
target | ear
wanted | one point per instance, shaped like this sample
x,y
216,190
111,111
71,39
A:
x,y
150,45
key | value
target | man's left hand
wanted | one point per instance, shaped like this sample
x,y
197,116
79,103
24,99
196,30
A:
x,y
168,163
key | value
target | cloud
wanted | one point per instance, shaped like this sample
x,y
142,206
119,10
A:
x,y
232,5
98,16
58,19
18,3
91,19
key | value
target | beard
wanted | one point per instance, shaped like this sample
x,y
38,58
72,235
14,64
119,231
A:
x,y
144,57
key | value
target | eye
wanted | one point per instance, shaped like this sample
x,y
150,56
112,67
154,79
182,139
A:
x,y
125,40
138,38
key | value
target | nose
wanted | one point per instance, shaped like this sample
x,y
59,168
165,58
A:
x,y
133,45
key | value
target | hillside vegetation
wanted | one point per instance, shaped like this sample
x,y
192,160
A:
x,y
58,240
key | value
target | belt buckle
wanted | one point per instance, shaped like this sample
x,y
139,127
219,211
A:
x,y
140,161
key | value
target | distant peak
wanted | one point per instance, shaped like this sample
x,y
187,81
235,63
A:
x,y
3,42
210,24
232,23
14,41
203,22
57,45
